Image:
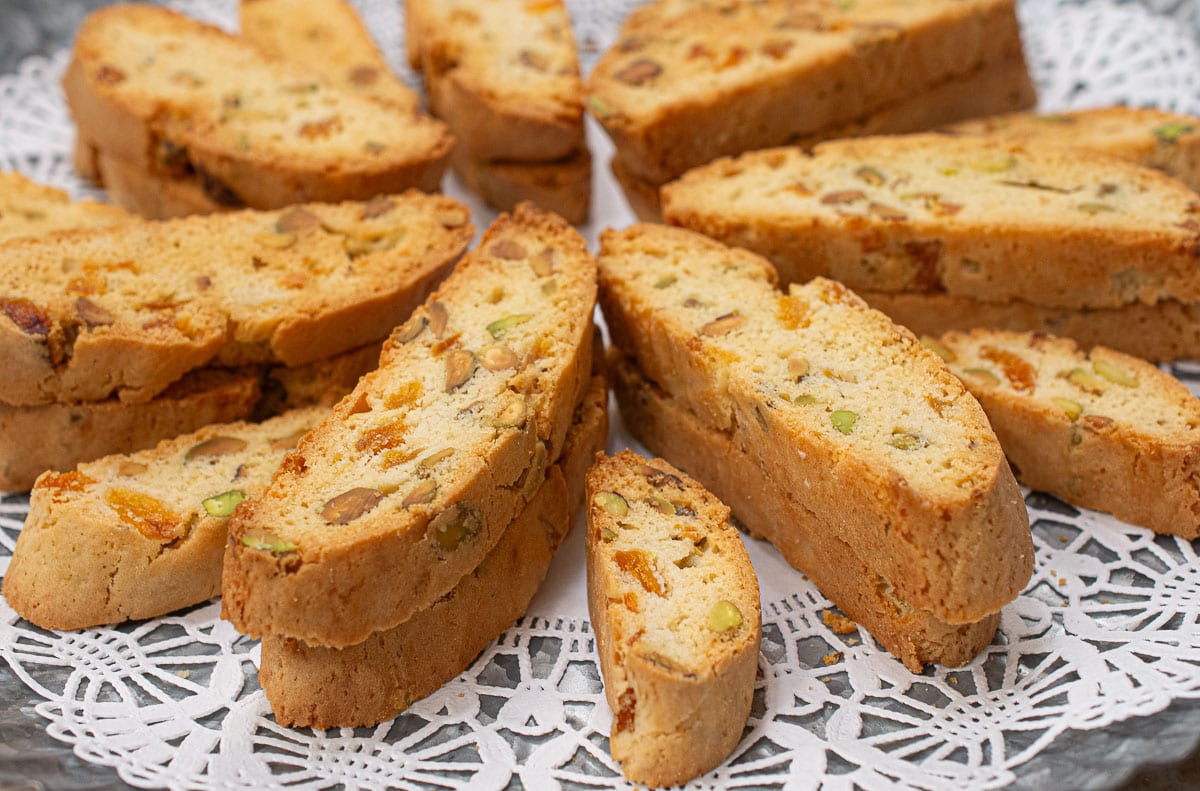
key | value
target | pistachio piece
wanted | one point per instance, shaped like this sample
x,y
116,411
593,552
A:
x,y
497,357
1114,373
639,72
903,440
659,478
996,164
1094,208
938,348
982,376
724,616
276,241
455,525
1072,409
511,413
498,327
92,315
276,546
508,249
870,175
410,329
660,504
460,365
438,318
612,502
798,367
348,506
453,218
845,196
599,107
542,264
723,324
804,399
608,534
131,468
665,281
434,458
1170,133
843,420
223,504
1086,380
297,221
377,207
422,494
885,212
216,446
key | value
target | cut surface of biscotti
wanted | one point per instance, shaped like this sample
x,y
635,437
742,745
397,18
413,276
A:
x,y
173,95
128,310
140,535
371,681
503,74
969,216
1157,139
885,444
415,474
674,604
563,187
1098,428
31,209
731,471
691,81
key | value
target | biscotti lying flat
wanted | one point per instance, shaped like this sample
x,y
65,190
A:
x,y
138,536
369,682
31,209
674,604
1157,139
188,101
968,216
416,473
1099,429
129,310
890,453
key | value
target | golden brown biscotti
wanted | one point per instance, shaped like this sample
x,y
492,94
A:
x,y
416,473
154,196
186,100
563,187
691,80
129,310
1165,331
916,637
1157,139
31,209
369,682
1099,429
892,454
137,536
674,604
968,216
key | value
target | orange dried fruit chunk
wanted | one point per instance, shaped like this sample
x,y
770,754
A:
x,y
149,515
1019,373
640,566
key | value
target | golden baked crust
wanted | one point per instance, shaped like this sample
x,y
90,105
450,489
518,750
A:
x,y
563,187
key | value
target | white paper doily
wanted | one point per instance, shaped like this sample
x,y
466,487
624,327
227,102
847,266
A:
x,y
1106,632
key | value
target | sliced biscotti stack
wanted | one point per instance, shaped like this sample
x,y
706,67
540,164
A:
x,y
414,476
674,604
883,446
136,536
1098,428
505,76
183,100
373,680
688,82
31,209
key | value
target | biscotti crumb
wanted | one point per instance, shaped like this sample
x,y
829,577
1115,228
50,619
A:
x,y
838,623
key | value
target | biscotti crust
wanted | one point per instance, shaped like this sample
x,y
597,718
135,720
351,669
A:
x,y
967,216
31,209
472,397
563,187
141,191
951,535
369,682
1097,428
129,310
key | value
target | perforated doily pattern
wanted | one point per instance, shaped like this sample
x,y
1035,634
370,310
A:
x,y
1106,632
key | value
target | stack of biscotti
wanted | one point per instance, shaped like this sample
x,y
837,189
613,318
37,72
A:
x,y
505,76
689,81
942,232
118,338
827,429
177,116
418,473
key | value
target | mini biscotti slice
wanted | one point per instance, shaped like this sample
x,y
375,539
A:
x,y
674,604
968,216
129,310
887,449
31,209
1157,139
137,536
1099,429
186,100
415,475
363,684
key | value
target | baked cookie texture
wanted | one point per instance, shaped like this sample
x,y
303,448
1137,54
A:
x,y
31,209
675,608
416,473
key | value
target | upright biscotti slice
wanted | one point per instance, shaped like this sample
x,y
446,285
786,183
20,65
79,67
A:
x,y
417,472
137,536
146,193
563,187
969,216
369,682
688,82
1157,139
1099,429
31,209
892,454
674,604
129,310
187,100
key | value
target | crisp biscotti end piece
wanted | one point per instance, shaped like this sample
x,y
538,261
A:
x,y
1099,429
138,536
563,187
31,209
674,605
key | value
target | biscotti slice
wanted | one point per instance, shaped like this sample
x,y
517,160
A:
x,y
1099,429
31,209
688,82
147,193
140,535
768,510
1157,139
369,682
892,454
968,216
183,99
416,473
563,187
129,310
674,604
